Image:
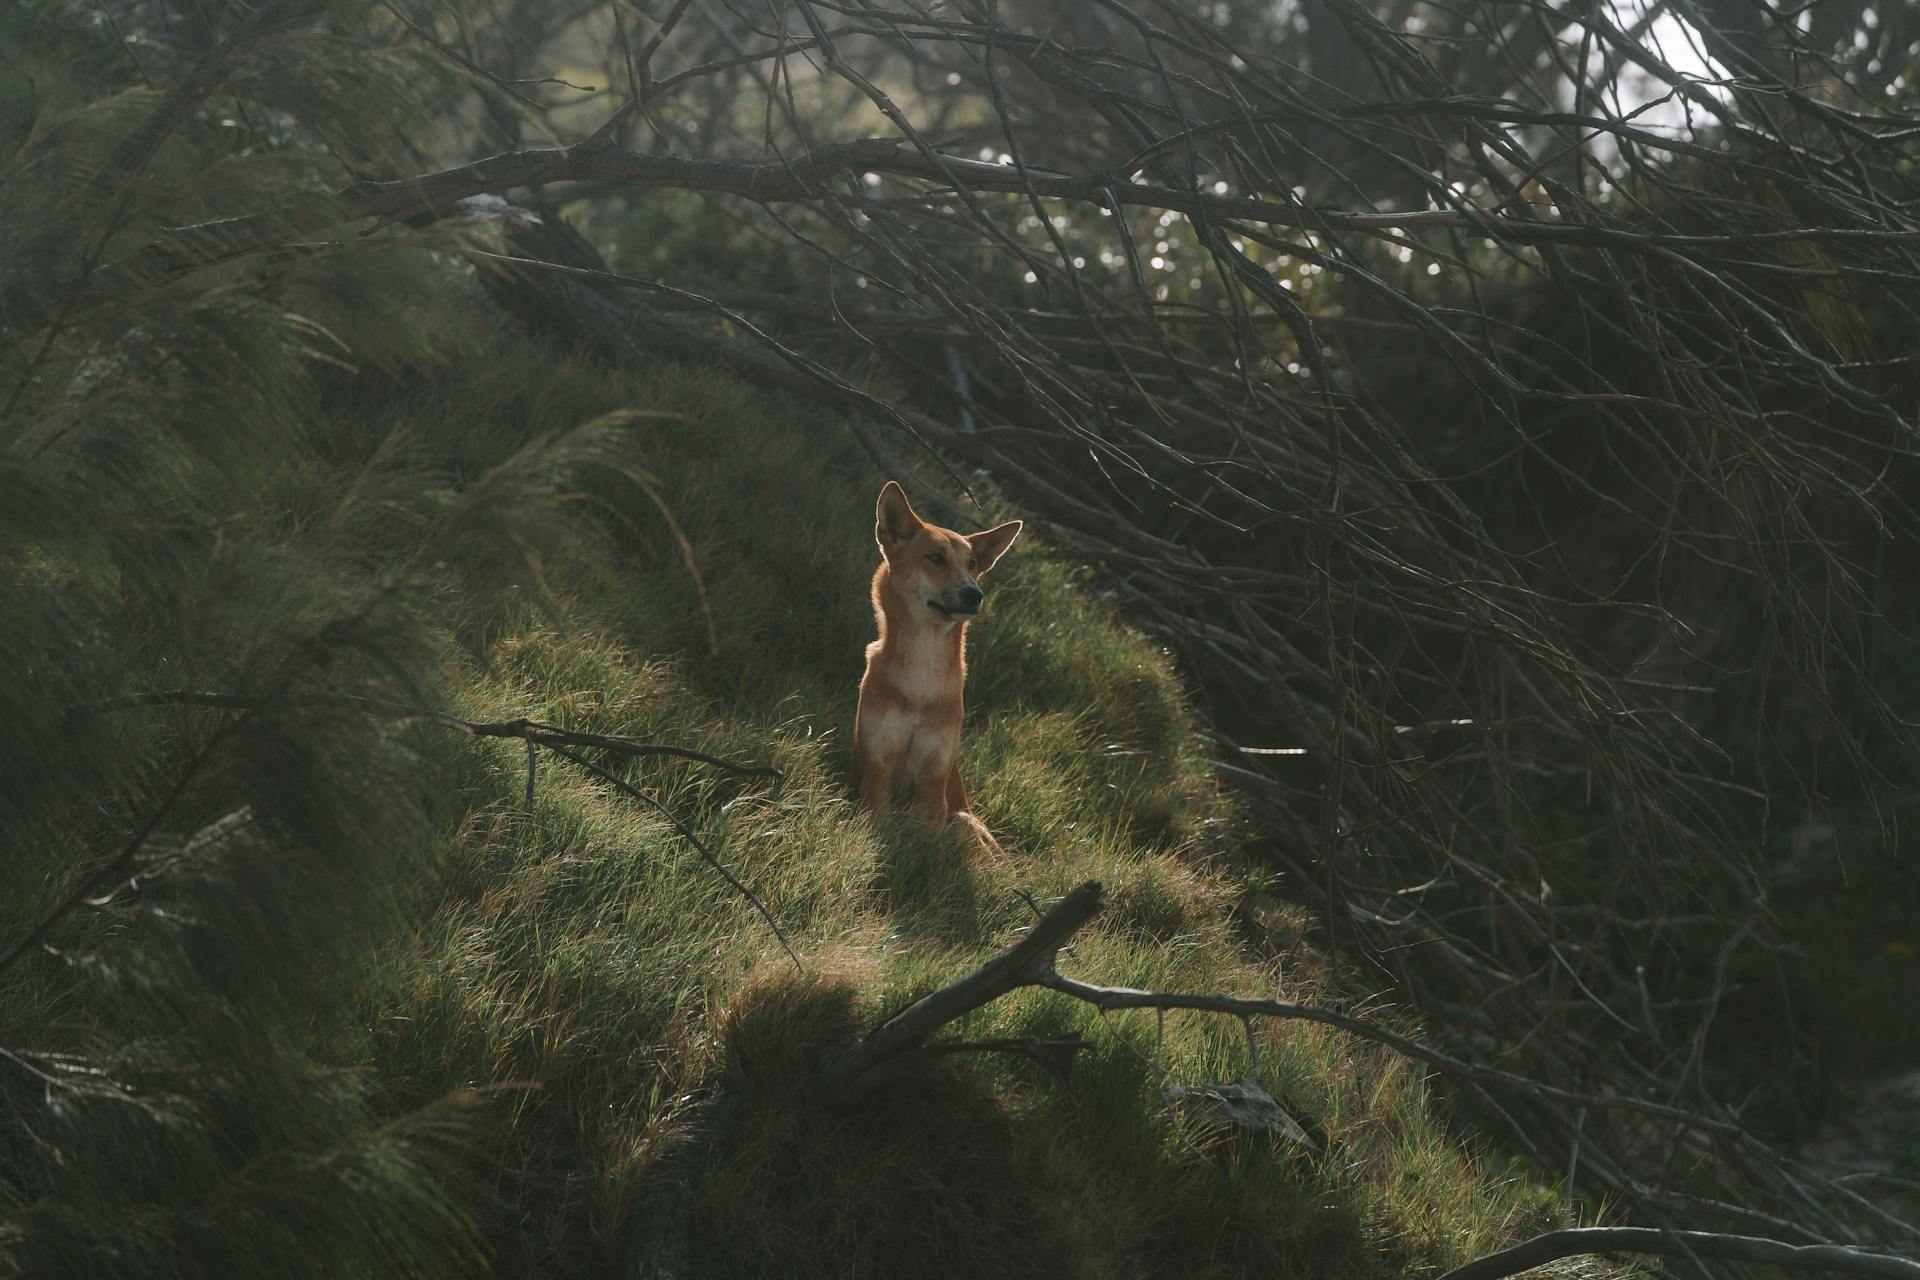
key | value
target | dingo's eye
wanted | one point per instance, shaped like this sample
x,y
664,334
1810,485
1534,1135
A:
x,y
972,563
938,559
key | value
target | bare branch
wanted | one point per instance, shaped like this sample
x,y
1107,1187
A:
x,y
532,731
1540,1250
856,1074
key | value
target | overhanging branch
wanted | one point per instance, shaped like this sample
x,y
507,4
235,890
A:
x,y
811,177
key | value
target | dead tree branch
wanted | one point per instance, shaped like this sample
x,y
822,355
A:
x,y
1837,1259
884,1056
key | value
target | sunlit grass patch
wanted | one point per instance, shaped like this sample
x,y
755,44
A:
x,y
584,950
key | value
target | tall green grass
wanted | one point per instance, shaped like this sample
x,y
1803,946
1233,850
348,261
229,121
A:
x,y
648,1029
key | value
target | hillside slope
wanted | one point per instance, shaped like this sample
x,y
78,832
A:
x,y
587,951
399,1022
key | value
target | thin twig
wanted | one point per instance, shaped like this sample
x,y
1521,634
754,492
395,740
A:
x,y
699,845
532,731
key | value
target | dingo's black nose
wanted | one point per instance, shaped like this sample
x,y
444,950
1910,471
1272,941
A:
x,y
970,598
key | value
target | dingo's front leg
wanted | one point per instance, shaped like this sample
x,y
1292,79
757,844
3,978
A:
x,y
930,790
880,745
875,786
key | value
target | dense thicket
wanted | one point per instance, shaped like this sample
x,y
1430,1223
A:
x,y
1505,412
187,895
1508,412
296,978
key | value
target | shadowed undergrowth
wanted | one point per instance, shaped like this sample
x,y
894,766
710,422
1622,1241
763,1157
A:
x,y
410,1024
583,952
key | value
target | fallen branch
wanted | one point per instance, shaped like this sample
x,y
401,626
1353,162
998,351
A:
x,y
1109,998
860,1072
898,1048
1697,1244
1030,963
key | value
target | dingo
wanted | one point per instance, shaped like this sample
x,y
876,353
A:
x,y
906,734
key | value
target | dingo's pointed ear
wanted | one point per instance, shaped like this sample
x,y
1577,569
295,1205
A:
x,y
893,519
990,543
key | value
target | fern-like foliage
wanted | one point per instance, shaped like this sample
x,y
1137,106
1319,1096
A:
x,y
188,501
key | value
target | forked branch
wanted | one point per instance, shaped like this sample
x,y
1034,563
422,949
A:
x,y
1031,963
900,1045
